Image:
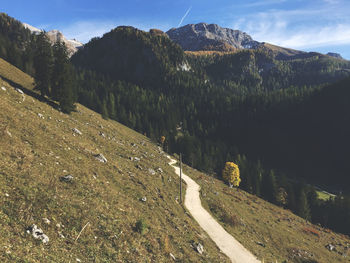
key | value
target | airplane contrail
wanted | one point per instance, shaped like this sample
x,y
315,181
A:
x,y
183,18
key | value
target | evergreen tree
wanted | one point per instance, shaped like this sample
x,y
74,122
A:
x,y
104,110
111,106
63,80
257,177
43,61
269,187
303,209
291,198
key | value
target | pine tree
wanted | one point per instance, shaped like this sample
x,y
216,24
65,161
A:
x,y
269,187
43,61
111,106
63,80
291,200
104,111
303,209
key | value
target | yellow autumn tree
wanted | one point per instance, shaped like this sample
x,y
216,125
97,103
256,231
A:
x,y
230,174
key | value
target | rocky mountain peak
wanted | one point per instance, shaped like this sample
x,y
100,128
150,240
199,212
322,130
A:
x,y
56,35
203,36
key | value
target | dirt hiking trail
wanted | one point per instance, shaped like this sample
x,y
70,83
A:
x,y
227,243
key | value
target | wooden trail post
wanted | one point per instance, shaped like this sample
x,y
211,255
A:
x,y
180,178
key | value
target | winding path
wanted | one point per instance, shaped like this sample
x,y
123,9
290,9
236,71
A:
x,y
227,243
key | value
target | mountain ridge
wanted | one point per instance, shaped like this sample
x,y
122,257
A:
x,y
55,35
203,36
212,37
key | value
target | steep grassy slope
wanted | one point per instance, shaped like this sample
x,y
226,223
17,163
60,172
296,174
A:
x,y
38,147
270,231
8,72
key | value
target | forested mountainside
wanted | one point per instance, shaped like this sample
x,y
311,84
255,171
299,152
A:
x,y
15,43
132,55
220,106
259,70
248,115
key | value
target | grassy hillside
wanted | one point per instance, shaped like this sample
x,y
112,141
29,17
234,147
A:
x,y
38,147
13,74
270,231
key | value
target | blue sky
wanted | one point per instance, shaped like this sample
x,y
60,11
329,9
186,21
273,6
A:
x,y
311,25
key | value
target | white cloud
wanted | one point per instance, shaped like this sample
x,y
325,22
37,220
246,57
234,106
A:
x,y
315,37
300,28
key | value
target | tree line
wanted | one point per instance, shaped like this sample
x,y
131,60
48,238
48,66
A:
x,y
54,74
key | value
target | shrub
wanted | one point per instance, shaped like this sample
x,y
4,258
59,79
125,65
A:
x,y
223,215
229,219
141,226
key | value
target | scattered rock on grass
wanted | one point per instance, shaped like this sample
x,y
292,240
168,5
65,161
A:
x,y
37,233
160,170
46,221
61,235
144,199
330,247
3,88
260,243
151,171
19,91
75,130
172,256
8,133
101,158
200,248
67,178
136,159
